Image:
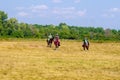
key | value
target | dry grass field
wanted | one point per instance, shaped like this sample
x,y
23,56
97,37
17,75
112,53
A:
x,y
33,60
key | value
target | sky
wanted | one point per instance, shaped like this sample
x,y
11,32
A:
x,y
88,13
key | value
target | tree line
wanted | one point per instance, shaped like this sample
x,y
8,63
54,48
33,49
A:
x,y
11,28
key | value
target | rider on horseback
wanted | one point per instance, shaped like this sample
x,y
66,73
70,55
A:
x,y
49,36
85,44
49,40
57,41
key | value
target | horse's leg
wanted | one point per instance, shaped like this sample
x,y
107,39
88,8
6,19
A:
x,y
47,42
87,47
50,44
58,44
55,46
83,47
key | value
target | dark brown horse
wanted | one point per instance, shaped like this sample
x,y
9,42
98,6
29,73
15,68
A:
x,y
49,42
85,45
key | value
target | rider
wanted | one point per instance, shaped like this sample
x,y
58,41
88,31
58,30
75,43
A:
x,y
50,36
49,40
57,40
85,43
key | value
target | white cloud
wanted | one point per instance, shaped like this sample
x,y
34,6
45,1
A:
x,y
108,15
23,14
33,11
63,10
39,10
36,8
33,8
20,8
111,13
115,9
44,11
57,1
77,1
69,12
82,13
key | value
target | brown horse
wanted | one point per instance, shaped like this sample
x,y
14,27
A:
x,y
49,42
85,45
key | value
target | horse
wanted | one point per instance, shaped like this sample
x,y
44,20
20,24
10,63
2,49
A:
x,y
85,45
49,42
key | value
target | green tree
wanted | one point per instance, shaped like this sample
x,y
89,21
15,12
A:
x,y
64,30
11,26
3,18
